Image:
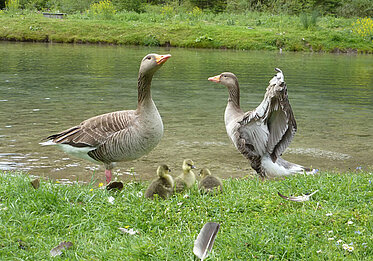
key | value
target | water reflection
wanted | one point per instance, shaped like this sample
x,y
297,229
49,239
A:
x,y
46,88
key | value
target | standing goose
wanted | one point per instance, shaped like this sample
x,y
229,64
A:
x,y
187,178
163,186
262,135
121,135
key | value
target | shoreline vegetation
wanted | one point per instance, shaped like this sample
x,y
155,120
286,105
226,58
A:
x,y
256,223
173,25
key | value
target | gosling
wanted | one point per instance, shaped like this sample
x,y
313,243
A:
x,y
209,184
162,186
187,178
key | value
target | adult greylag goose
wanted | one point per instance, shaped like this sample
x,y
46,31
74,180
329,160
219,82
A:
x,y
163,186
262,135
209,184
121,135
187,179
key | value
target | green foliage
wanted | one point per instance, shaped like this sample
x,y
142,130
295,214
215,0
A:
x,y
364,28
137,6
343,8
151,40
353,8
347,8
251,30
213,5
71,6
167,11
102,10
12,6
309,20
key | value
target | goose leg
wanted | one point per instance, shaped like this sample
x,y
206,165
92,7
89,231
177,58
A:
x,y
108,175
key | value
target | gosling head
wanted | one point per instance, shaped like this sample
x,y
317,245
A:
x,y
226,78
163,170
152,62
188,164
204,172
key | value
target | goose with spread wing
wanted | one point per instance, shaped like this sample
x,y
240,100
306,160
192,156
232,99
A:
x,y
262,135
121,135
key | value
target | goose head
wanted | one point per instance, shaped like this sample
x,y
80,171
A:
x,y
163,170
188,164
204,172
226,78
152,62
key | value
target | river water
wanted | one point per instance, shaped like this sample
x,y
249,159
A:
x,y
46,88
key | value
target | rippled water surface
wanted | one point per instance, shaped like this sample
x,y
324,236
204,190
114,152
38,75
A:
x,y
46,88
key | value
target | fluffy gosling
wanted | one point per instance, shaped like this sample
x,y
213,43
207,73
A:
x,y
187,178
209,184
162,186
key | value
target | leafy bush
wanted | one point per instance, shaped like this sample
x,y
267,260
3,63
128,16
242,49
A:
x,y
213,5
71,6
364,28
151,40
359,8
167,11
103,9
309,20
130,5
12,6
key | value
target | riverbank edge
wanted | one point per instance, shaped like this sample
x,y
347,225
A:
x,y
40,29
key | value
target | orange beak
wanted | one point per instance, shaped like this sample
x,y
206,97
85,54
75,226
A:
x,y
215,78
161,59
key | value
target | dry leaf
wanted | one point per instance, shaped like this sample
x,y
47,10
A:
x,y
58,249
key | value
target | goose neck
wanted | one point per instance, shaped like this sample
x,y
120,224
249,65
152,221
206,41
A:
x,y
143,88
234,96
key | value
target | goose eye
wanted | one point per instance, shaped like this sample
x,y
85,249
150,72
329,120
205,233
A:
x,y
148,57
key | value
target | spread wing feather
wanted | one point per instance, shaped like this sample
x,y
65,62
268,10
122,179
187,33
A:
x,y
271,126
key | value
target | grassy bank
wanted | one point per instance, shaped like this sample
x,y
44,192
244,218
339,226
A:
x,y
255,222
166,27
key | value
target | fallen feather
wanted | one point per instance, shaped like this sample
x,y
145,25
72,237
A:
x,y
111,200
57,251
298,198
205,240
128,231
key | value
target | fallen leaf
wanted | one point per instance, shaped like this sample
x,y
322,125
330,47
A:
x,y
57,251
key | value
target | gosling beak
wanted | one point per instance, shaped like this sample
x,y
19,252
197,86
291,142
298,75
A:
x,y
193,167
169,170
215,78
161,59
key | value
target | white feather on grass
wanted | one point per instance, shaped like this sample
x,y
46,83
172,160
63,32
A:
x,y
298,198
205,240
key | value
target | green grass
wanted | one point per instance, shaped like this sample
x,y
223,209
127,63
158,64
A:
x,y
250,31
255,222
